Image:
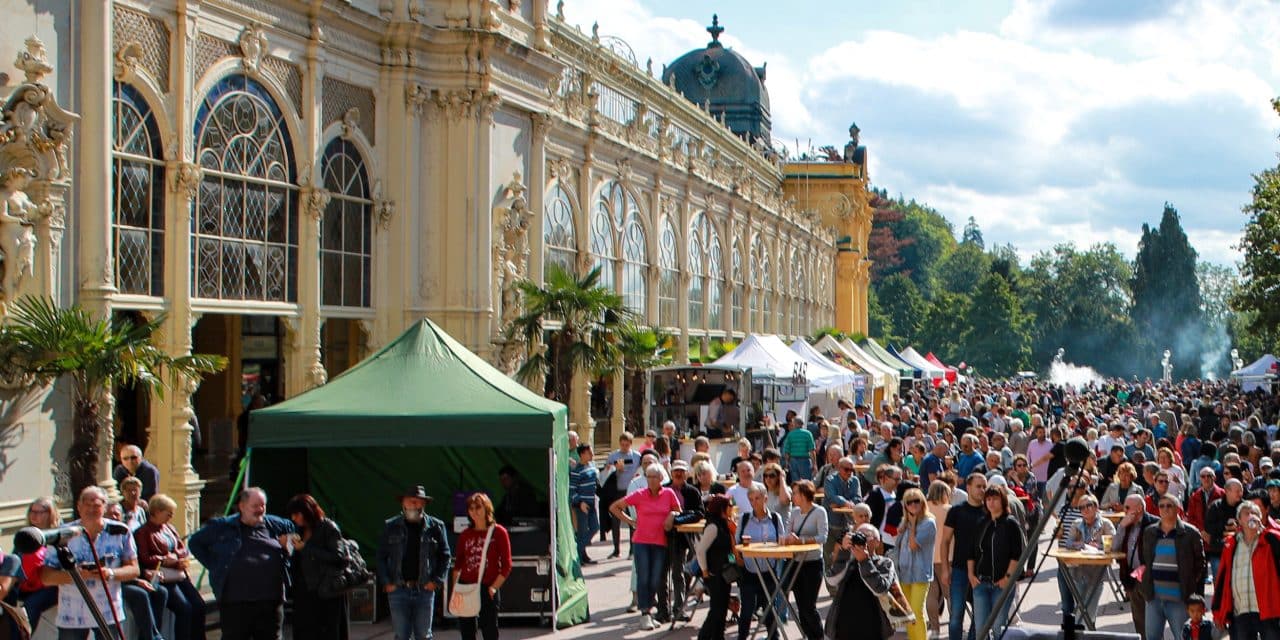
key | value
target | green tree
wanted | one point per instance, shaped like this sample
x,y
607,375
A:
x,y
94,355
878,322
972,234
584,341
960,271
904,306
945,324
1080,302
1260,271
1166,297
998,341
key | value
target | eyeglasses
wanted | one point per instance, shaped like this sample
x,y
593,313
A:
x,y
1162,482
130,458
911,502
1090,506
771,474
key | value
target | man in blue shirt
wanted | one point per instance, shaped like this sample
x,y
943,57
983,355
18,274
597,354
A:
x,y
842,490
969,459
1141,438
583,482
934,464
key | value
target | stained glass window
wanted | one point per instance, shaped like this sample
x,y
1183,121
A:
x,y
736,284
616,231
558,238
244,229
669,278
707,271
798,314
346,232
137,207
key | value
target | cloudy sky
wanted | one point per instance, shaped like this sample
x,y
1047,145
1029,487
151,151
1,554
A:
x,y
1049,121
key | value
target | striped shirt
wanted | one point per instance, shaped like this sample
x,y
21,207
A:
x,y
583,481
1164,568
1070,516
1244,594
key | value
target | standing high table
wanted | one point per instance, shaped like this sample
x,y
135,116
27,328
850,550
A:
x,y
1068,562
691,533
785,579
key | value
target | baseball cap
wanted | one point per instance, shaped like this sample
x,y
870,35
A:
x,y
1265,463
679,465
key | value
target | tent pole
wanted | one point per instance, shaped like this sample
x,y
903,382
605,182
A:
x,y
554,501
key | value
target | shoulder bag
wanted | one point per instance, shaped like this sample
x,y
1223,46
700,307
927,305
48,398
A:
x,y
465,601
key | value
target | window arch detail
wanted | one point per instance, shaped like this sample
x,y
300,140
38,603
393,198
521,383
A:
x,y
669,275
737,283
618,245
245,224
346,231
559,239
137,206
706,269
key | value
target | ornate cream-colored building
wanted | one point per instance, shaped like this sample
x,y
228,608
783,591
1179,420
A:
x,y
292,183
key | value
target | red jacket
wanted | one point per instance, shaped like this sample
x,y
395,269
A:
x,y
1266,578
153,543
1196,507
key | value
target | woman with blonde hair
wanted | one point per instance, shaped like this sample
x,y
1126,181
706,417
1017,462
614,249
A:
x,y
163,559
915,546
37,598
485,543
777,495
939,503
1177,475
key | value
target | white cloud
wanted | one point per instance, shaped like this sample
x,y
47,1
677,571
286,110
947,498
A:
x,y
1072,121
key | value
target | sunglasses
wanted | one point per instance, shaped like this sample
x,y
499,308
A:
x,y
770,475
130,458
911,502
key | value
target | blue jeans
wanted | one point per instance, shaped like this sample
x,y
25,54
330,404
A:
x,y
411,611
984,600
145,607
1068,601
1162,613
588,525
651,559
37,602
82,634
956,603
799,469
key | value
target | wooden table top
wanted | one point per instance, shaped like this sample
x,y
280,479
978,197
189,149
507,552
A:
x,y
692,527
848,510
1114,517
1082,558
772,550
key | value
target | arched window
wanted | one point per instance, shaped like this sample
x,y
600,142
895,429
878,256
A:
x,y
346,233
558,239
707,271
736,284
766,293
245,227
616,231
798,314
137,176
697,255
669,276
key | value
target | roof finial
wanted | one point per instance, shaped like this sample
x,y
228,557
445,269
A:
x,y
715,29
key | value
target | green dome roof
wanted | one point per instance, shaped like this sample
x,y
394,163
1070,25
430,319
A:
x,y
726,82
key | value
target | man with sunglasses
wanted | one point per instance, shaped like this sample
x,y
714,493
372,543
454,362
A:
x,y
1173,556
1220,521
133,464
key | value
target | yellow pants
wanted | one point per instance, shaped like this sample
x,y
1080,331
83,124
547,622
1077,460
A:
x,y
916,592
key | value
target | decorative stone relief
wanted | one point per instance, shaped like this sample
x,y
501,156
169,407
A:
x,y
128,55
35,137
416,97
186,179
350,122
624,171
562,170
512,219
253,46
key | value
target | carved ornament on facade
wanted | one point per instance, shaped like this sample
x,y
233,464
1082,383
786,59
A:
x,y
186,179
314,201
562,170
541,124
512,219
128,56
624,171
416,97
350,123
17,233
253,47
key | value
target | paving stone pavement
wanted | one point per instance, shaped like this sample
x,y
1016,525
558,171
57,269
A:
x,y
609,592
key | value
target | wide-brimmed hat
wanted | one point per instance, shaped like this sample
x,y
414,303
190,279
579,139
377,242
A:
x,y
416,491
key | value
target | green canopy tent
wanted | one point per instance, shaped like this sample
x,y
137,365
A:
x,y
422,410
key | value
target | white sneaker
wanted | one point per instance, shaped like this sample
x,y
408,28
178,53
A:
x,y
646,623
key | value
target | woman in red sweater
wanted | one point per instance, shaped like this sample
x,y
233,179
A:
x,y
36,597
497,566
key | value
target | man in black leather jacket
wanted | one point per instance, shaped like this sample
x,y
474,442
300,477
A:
x,y
413,564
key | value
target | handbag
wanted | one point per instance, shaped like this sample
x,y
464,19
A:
x,y
170,575
465,601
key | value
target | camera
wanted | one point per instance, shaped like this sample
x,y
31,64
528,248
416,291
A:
x,y
858,539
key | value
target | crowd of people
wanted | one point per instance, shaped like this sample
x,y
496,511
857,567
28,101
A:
x,y
930,500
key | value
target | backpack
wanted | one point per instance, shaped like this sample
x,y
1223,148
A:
x,y
353,572
773,517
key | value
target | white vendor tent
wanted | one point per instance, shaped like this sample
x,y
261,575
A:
x,y
931,370
1258,374
880,376
827,369
852,347
766,355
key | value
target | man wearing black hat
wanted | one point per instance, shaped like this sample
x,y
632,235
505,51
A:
x,y
413,563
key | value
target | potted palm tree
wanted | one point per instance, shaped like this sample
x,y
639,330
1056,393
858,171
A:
x,y
45,343
569,325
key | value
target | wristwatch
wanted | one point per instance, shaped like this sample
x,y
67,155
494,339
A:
x,y
111,574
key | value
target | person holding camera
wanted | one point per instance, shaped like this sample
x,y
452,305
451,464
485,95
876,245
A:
x,y
1250,570
105,557
856,613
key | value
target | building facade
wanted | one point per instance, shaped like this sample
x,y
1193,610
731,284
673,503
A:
x,y
292,183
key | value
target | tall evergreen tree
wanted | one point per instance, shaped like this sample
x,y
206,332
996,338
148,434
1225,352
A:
x,y
904,306
1260,271
1166,297
972,234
